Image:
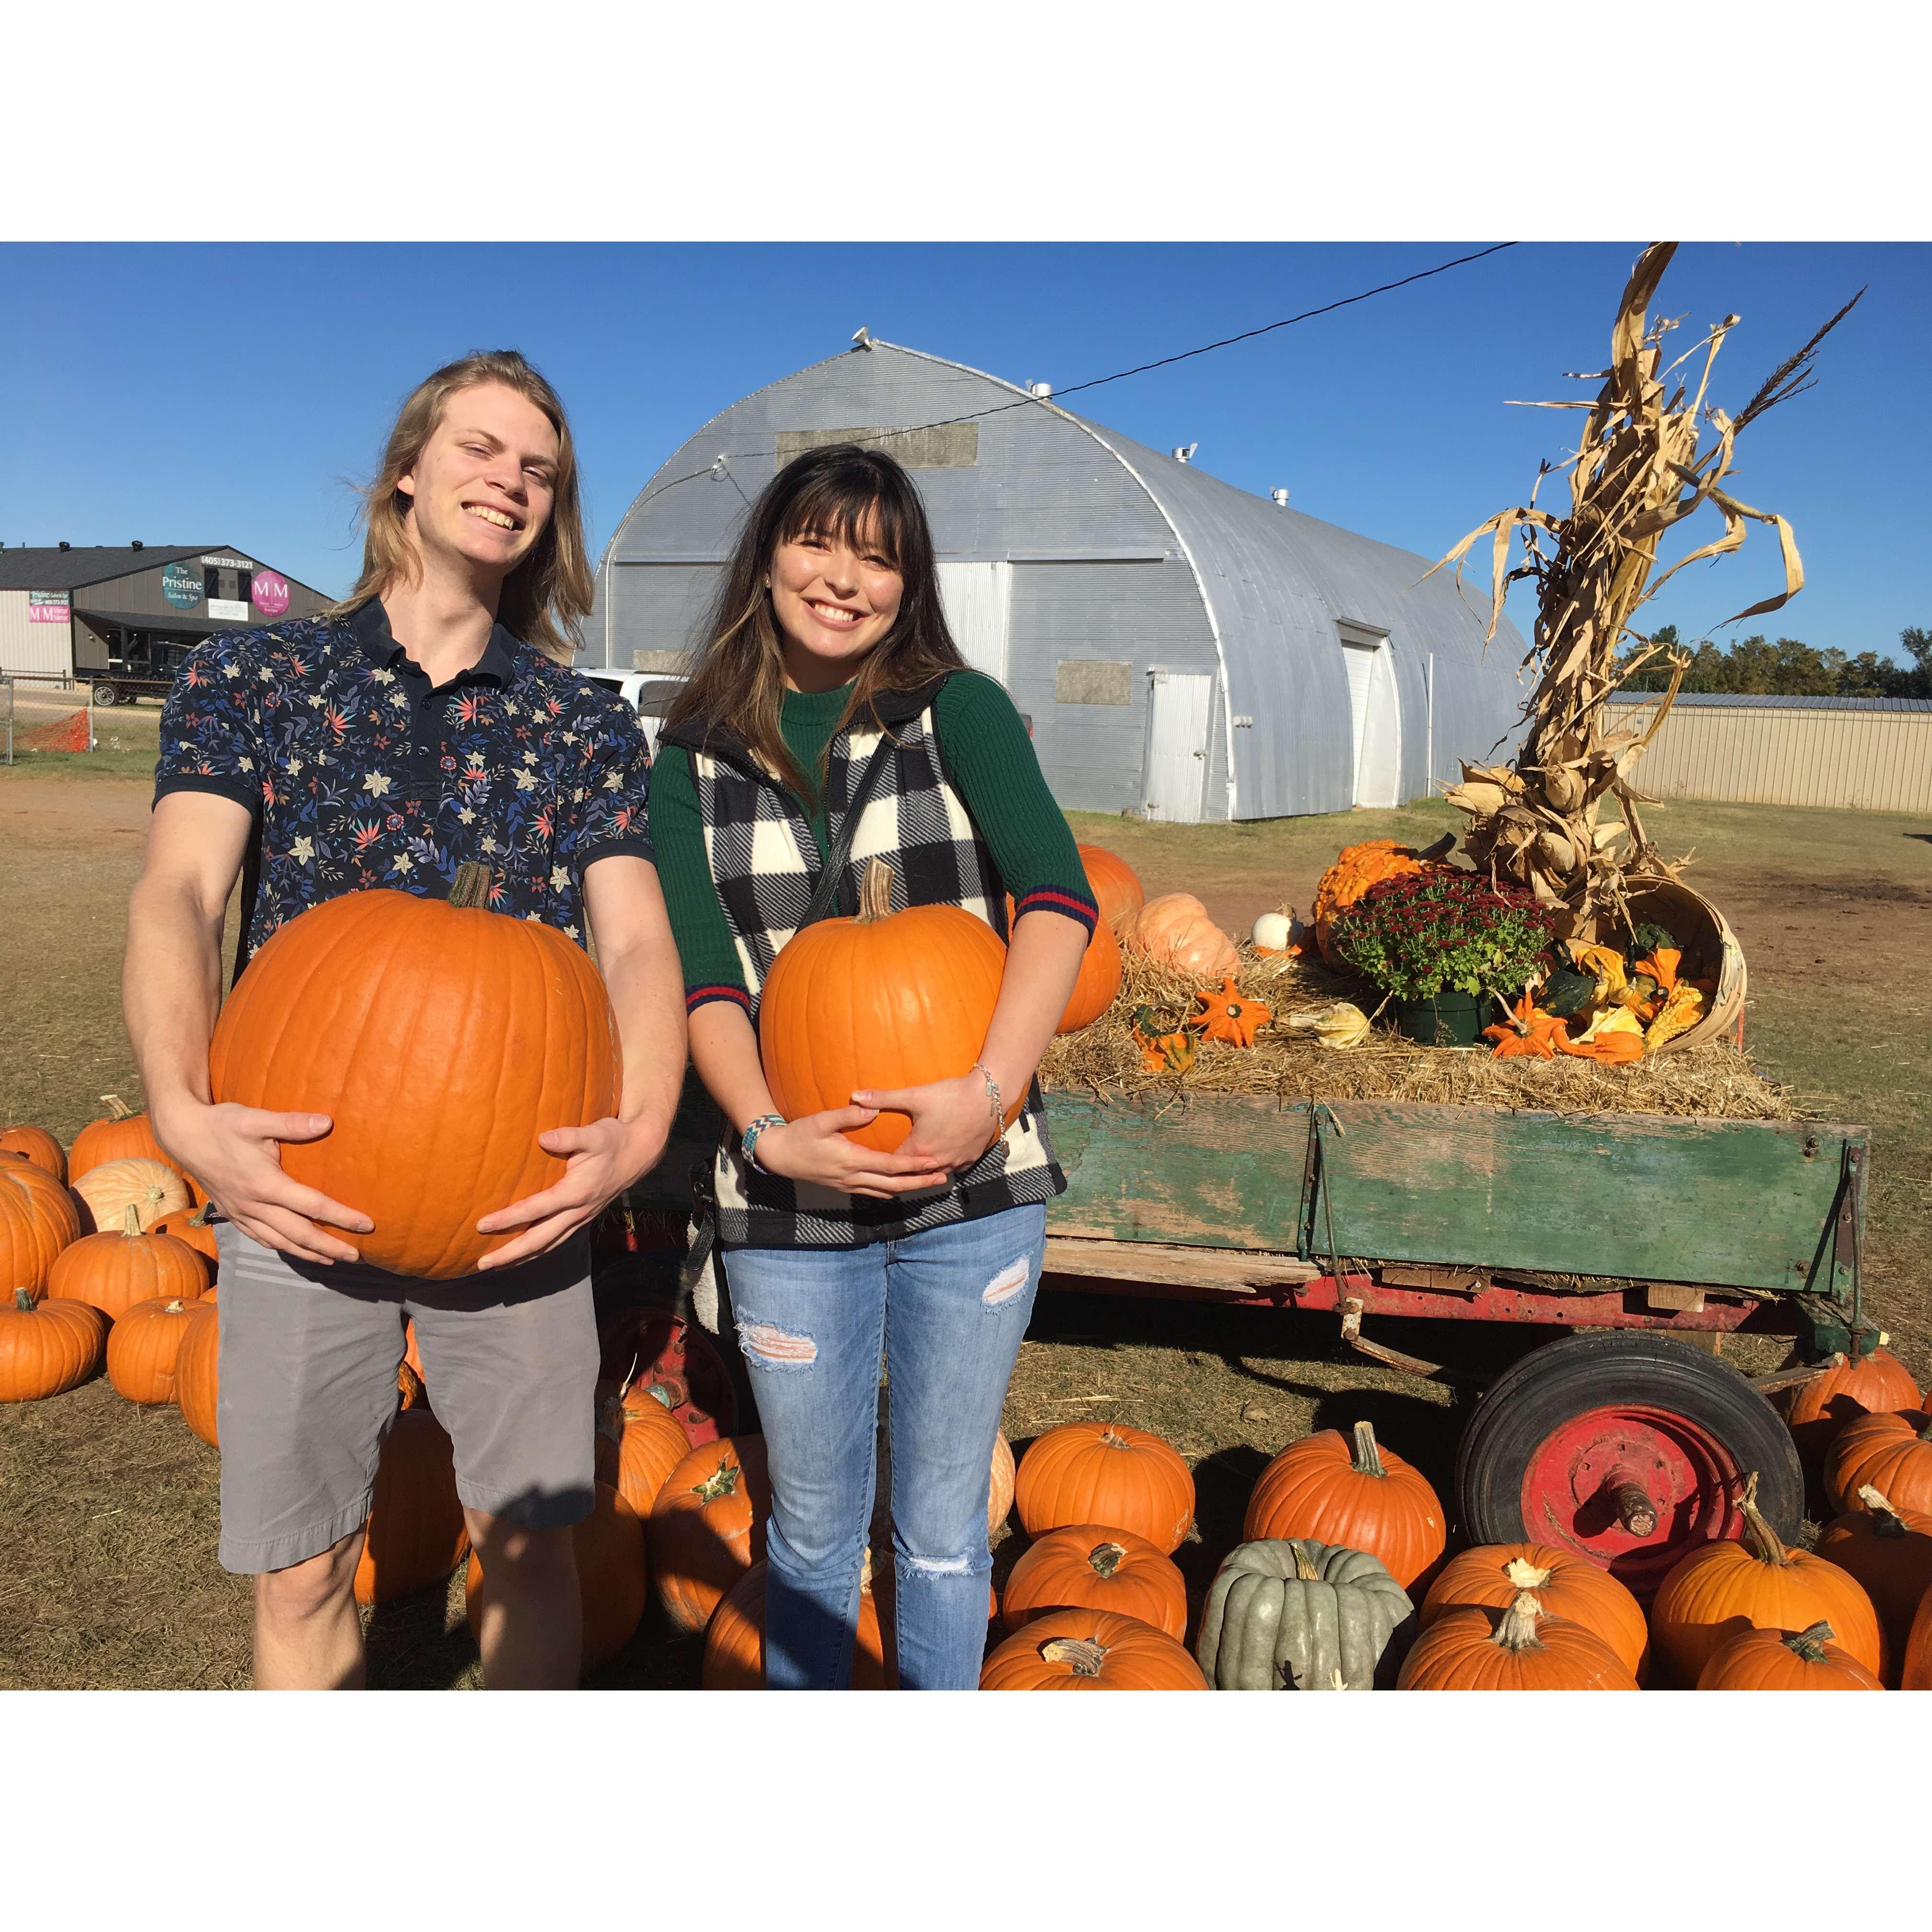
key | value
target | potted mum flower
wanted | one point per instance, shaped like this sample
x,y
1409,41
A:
x,y
1443,942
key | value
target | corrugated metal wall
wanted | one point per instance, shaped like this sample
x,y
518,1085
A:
x,y
44,650
1856,758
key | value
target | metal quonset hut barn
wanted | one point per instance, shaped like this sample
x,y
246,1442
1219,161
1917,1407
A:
x,y
1180,646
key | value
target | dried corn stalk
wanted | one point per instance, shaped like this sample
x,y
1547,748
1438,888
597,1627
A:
x,y
1643,464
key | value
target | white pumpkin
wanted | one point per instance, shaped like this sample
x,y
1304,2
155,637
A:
x,y
1274,931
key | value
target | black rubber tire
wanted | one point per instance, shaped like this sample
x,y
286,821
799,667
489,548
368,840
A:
x,y
1562,1379
106,695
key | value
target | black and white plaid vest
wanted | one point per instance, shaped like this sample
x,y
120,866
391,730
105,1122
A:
x,y
765,864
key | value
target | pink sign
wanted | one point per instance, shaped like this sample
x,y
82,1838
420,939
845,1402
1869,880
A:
x,y
269,593
46,607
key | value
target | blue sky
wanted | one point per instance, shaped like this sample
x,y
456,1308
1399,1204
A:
x,y
202,392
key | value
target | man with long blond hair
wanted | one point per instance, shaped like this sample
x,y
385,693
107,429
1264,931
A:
x,y
429,718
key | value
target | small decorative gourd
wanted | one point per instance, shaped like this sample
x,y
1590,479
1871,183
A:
x,y
1292,1614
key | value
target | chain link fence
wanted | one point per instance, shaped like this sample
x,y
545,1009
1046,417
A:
x,y
36,716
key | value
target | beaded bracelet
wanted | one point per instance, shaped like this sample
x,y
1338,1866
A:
x,y
747,1141
992,1091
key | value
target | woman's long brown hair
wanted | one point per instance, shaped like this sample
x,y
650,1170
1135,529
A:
x,y
738,681
546,599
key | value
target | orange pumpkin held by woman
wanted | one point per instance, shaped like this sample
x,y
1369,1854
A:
x,y
1115,885
1877,1384
441,1039
885,999
1090,1650
1889,1551
1106,1473
1567,1586
611,1577
1089,1567
47,1348
416,1534
1477,1647
115,1271
1775,1660
734,1642
38,1218
707,1526
198,1371
1722,1588
37,1145
1890,1452
1363,1497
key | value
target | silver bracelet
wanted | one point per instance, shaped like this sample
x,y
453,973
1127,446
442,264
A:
x,y
992,1093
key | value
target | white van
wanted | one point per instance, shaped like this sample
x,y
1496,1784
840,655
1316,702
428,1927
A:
x,y
647,694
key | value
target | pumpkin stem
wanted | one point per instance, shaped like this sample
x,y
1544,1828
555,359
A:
x,y
875,893
23,1300
1112,1439
1517,1631
118,1109
173,1308
1524,1575
1368,1457
199,1218
1886,1521
470,890
1809,1642
722,1481
1085,1656
1759,1538
131,1222
1306,1569
1106,1558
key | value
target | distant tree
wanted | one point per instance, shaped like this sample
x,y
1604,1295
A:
x,y
1755,667
1916,683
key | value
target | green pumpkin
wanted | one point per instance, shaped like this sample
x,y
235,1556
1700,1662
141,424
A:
x,y
1296,1614
1564,994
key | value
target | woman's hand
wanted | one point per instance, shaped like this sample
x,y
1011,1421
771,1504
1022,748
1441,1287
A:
x,y
814,1149
600,1161
952,1123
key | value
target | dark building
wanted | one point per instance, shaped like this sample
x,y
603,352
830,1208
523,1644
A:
x,y
121,617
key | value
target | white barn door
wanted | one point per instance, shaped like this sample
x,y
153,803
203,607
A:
x,y
1376,716
1176,760
978,600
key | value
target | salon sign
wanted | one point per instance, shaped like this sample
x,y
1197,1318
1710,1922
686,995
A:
x,y
47,607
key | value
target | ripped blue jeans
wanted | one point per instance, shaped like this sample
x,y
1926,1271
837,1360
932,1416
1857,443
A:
x,y
948,1307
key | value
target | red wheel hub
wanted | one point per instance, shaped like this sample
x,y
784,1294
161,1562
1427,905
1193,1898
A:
x,y
1632,1490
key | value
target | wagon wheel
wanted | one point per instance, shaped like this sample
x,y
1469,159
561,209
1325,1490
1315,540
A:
x,y
1629,1448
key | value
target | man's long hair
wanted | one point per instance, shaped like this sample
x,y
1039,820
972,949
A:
x,y
841,491
546,599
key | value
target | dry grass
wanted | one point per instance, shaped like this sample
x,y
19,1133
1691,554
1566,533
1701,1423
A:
x,y
1715,1080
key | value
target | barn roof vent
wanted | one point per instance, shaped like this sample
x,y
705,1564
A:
x,y
861,339
65,545
1184,452
136,543
1280,499
1043,390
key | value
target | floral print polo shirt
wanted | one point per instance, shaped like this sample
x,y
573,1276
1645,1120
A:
x,y
361,775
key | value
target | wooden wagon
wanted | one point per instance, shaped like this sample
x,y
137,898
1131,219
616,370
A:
x,y
1648,1237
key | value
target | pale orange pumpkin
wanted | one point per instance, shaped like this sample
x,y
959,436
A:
x,y
1567,1586
1115,885
734,1642
142,1347
1362,1497
999,1495
153,1188
1089,1567
1477,1647
115,1271
37,1145
1719,1588
885,999
416,1534
38,1218
440,1038
1106,1473
611,1578
1173,931
47,1348
197,1370
707,1526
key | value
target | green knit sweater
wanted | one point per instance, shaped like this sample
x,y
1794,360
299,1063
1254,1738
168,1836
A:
x,y
989,758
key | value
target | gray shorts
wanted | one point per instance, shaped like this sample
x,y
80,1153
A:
x,y
309,1356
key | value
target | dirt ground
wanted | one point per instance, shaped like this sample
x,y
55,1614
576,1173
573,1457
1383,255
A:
x,y
110,1511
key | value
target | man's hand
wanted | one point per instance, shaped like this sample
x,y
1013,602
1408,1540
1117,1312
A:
x,y
814,1149
235,1152
601,1160
952,1123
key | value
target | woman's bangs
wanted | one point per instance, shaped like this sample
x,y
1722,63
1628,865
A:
x,y
850,511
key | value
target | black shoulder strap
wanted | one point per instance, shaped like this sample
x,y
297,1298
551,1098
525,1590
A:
x,y
830,880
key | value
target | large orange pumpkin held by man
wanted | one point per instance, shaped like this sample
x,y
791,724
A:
x,y
441,1039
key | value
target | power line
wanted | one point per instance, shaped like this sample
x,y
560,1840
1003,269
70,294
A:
x,y
1099,382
